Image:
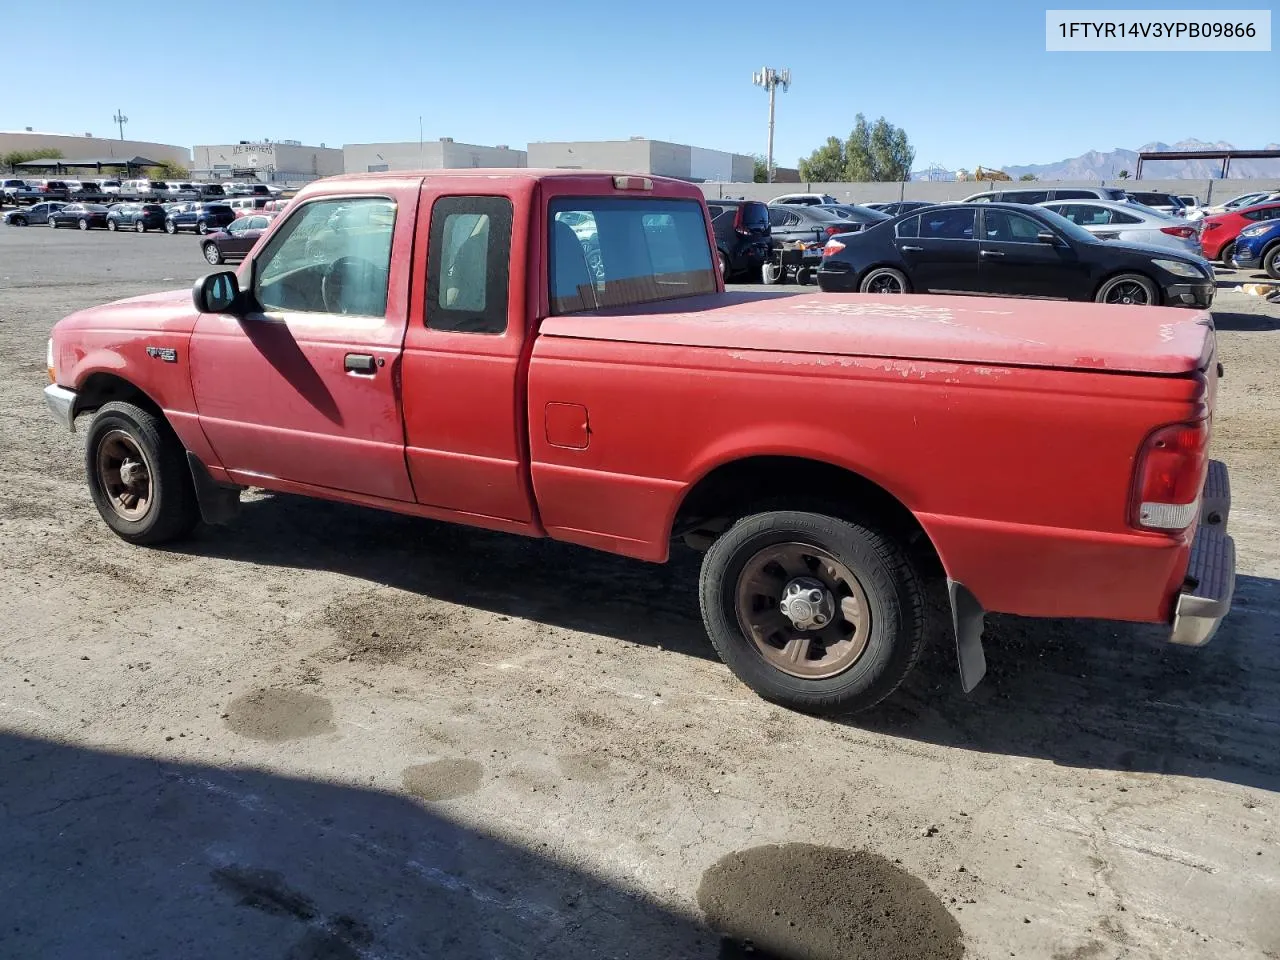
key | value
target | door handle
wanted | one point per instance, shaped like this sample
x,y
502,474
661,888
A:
x,y
990,253
913,249
359,363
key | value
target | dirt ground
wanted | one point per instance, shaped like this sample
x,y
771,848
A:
x,y
324,732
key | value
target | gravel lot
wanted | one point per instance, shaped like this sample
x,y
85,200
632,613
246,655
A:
x,y
324,732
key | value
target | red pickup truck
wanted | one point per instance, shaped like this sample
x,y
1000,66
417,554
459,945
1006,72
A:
x,y
553,353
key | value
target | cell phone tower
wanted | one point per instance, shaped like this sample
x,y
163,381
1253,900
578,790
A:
x,y
771,79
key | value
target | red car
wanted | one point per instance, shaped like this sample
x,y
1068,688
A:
x,y
1220,230
439,345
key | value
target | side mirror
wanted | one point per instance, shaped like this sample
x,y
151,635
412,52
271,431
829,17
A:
x,y
1044,236
216,293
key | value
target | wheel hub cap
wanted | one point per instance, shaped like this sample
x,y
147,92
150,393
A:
x,y
807,603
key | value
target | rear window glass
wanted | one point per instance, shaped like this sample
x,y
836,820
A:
x,y
947,224
755,216
1074,195
616,251
1026,196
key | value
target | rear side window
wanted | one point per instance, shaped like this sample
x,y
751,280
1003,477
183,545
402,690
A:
x,y
1026,196
1074,195
1085,214
909,227
1119,217
949,224
470,261
620,251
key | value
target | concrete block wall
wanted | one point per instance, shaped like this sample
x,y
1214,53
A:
x,y
1209,191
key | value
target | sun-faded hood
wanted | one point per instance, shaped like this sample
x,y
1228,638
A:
x,y
171,310
985,330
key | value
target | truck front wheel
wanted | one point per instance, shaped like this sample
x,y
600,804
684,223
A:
x,y
813,613
138,476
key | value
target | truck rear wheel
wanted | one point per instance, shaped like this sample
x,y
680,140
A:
x,y
813,613
138,476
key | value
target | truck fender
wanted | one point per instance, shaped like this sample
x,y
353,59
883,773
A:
x,y
968,619
218,503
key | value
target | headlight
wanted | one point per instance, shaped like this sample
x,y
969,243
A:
x,y
1180,269
48,356
1257,231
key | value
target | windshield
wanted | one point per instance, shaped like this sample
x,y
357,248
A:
x,y
615,251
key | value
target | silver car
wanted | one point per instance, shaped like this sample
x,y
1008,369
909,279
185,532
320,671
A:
x,y
37,213
1131,223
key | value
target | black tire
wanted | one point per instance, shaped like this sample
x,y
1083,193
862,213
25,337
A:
x,y
172,512
53,224
1271,261
212,254
112,226
170,227
19,221
1124,285
1225,253
82,223
895,606
202,228
139,226
892,281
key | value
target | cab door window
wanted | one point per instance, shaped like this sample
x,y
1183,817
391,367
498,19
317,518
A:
x,y
332,256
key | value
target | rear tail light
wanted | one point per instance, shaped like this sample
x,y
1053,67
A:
x,y
48,356
737,223
1186,233
1169,477
833,247
833,230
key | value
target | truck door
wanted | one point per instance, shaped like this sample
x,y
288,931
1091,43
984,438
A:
x,y
303,388
464,372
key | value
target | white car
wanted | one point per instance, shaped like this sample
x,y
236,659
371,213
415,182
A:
x,y
1130,222
806,199
1244,200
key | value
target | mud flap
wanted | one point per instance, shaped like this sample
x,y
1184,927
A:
x,y
218,504
968,617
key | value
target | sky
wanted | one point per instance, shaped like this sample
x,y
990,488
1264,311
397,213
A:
x,y
971,83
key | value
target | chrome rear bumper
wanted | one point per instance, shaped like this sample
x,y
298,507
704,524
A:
x,y
1211,575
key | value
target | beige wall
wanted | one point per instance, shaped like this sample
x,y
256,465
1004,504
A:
x,y
278,160
640,156
91,148
429,155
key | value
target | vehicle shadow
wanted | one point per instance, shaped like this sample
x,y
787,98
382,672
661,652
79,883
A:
x,y
542,580
1111,696
1246,322
1080,693
107,855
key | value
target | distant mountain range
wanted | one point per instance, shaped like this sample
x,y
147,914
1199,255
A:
x,y
1096,165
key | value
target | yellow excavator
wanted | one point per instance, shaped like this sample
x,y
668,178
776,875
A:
x,y
982,173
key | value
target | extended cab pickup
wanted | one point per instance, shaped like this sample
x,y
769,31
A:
x,y
553,353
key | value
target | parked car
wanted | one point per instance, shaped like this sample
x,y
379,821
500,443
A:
x,y
35,215
55,190
1244,200
1219,231
86,191
743,236
811,223
856,215
1032,196
82,215
899,207
1259,246
236,239
9,190
1190,200
210,191
1167,203
1010,250
200,217
110,187
139,217
182,191
1034,459
246,204
1129,223
804,199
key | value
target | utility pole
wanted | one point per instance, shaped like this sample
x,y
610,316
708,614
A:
x,y
771,79
121,119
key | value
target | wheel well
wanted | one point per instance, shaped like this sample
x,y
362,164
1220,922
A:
x,y
736,489
102,388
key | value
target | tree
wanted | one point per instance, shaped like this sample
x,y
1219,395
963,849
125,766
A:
x,y
825,164
872,152
1027,177
13,158
1123,175
168,170
761,174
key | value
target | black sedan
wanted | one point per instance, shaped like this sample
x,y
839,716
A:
x,y
82,215
200,217
899,207
1008,249
135,216
233,242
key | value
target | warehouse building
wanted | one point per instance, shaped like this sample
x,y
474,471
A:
x,y
73,147
640,155
442,154
271,161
